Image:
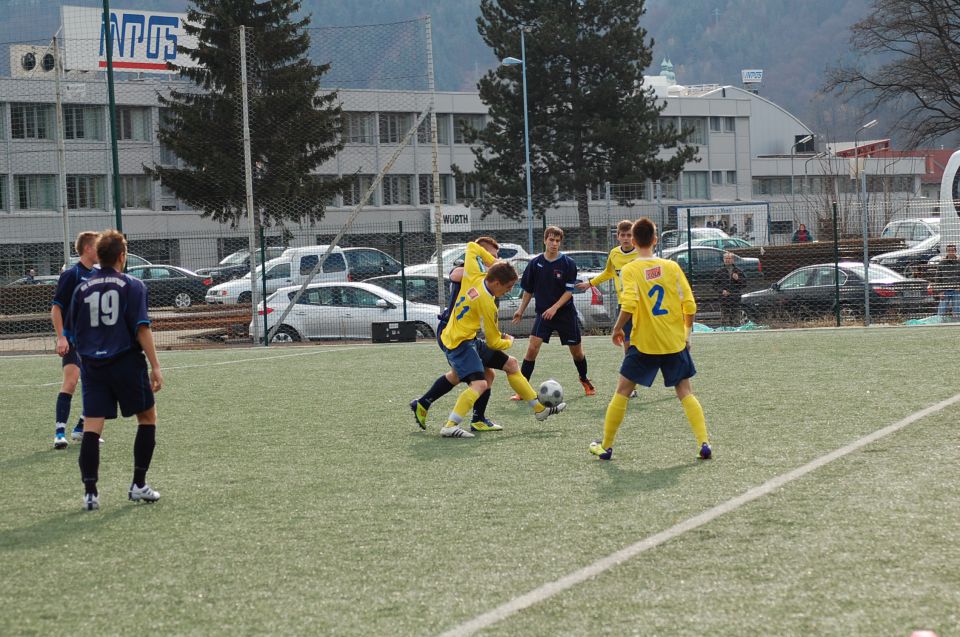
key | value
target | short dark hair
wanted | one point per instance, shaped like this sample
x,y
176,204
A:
x,y
644,231
553,231
83,240
490,241
625,225
502,272
110,247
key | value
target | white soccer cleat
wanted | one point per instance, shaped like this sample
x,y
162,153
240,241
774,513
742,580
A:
x,y
455,432
60,441
550,411
91,502
143,494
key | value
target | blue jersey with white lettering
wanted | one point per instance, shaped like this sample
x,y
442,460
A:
x,y
548,280
67,284
106,311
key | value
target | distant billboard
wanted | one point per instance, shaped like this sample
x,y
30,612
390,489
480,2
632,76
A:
x,y
751,76
143,41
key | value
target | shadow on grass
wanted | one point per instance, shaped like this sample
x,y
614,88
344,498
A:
x,y
60,529
626,482
31,458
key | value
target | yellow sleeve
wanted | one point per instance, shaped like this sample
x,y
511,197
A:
x,y
629,298
688,304
608,272
476,254
488,311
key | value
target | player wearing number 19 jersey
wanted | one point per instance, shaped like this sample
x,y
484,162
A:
x,y
657,296
109,326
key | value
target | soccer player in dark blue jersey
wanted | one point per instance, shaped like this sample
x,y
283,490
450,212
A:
x,y
86,247
109,327
550,279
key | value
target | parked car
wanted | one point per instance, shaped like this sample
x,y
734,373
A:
x,y
588,260
364,263
705,263
170,285
421,288
674,238
910,261
724,243
132,260
291,268
234,266
809,292
40,279
453,256
342,310
912,231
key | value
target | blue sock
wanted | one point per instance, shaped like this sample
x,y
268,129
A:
x,y
480,407
63,409
440,387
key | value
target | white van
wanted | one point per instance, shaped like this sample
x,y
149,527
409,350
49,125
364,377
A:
x,y
912,231
290,268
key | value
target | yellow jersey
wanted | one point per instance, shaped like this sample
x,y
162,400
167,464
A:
x,y
615,262
658,295
476,306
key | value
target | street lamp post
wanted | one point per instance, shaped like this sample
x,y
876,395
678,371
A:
x,y
793,191
510,61
863,211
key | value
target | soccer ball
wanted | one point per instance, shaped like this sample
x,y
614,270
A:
x,y
551,393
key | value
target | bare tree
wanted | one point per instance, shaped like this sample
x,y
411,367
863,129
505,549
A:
x,y
916,47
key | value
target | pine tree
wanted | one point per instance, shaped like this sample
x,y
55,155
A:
x,y
293,128
591,119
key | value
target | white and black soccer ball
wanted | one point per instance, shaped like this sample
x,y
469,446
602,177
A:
x,y
551,393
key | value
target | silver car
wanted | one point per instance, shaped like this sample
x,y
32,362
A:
x,y
342,310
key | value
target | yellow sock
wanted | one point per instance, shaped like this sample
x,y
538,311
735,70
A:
x,y
463,406
694,412
616,410
521,386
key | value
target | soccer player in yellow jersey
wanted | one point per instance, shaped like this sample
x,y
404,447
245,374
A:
x,y
475,307
620,256
658,297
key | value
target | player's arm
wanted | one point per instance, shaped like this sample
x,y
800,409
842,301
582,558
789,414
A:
x,y
552,310
60,300
629,300
145,338
524,302
688,304
526,284
488,312
471,265
456,275
609,271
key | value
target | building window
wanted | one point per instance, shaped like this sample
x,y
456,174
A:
x,y
3,123
468,189
3,192
714,124
359,184
36,192
730,124
358,128
698,130
629,192
694,184
31,121
731,177
85,192
136,191
773,185
443,130
396,190
167,156
426,189
461,122
393,126
133,123
82,122
716,178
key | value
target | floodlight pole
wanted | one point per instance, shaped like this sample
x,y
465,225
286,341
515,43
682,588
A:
x,y
113,115
526,132
863,211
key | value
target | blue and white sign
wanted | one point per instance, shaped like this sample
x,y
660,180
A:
x,y
143,41
751,76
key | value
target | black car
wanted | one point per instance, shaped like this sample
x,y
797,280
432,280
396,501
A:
x,y
369,262
421,288
910,261
170,285
809,292
700,264
235,265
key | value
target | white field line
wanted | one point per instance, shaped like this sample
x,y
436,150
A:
x,y
604,564
255,359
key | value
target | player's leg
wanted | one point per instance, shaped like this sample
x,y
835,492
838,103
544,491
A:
x,y
527,393
580,361
99,403
480,421
441,387
143,446
677,372
627,330
135,395
533,350
466,364
636,369
71,376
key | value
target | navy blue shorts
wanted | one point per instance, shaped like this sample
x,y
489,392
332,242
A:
x,y
465,359
70,358
122,380
642,368
627,327
491,358
564,323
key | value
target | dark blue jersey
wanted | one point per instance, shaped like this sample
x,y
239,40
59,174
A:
x,y
67,284
548,280
105,313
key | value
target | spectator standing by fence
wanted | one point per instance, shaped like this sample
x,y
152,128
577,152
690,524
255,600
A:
x,y
946,283
802,235
730,282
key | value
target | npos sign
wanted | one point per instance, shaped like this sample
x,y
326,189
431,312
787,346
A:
x,y
142,40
